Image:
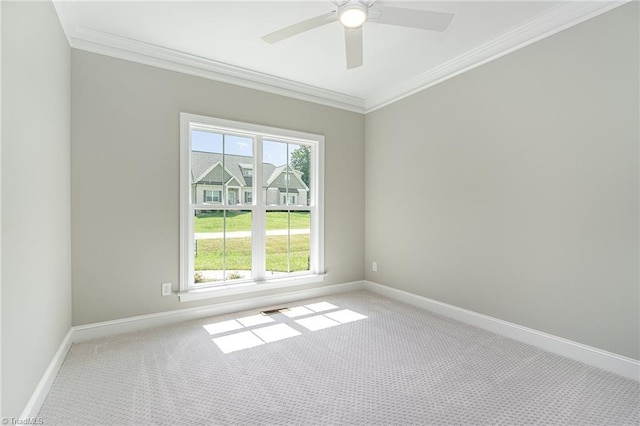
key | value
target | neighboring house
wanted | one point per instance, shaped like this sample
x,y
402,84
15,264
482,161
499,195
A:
x,y
214,181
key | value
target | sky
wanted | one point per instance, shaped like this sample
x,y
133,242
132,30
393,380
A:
x,y
273,152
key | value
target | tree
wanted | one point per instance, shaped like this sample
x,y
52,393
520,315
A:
x,y
300,160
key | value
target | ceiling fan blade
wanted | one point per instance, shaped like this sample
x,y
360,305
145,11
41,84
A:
x,y
300,27
413,18
353,43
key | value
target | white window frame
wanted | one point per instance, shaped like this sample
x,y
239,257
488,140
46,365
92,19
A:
x,y
259,281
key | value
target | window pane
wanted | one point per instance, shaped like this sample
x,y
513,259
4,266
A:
x,y
222,249
286,173
221,168
299,253
274,168
299,174
287,242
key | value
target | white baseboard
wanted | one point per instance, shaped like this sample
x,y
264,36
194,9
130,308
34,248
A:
x,y
124,325
37,398
618,364
608,361
107,328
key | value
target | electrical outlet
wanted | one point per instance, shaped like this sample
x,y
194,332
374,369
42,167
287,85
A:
x,y
166,289
374,266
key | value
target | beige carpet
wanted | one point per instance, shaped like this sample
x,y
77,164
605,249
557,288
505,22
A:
x,y
356,358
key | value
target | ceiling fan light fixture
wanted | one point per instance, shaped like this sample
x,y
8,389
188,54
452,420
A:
x,y
353,14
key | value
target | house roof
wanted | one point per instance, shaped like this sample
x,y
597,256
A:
x,y
201,163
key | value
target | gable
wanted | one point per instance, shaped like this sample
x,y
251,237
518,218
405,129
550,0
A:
x,y
215,175
278,180
208,167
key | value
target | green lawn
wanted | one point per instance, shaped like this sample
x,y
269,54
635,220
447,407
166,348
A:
x,y
238,257
241,221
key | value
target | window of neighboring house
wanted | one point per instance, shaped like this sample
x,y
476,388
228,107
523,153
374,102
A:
x,y
290,199
210,196
261,241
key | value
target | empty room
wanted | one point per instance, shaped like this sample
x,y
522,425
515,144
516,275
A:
x,y
347,212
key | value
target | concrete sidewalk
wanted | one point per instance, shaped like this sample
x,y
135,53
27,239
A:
x,y
246,234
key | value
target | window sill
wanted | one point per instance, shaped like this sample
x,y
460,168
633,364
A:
x,y
250,287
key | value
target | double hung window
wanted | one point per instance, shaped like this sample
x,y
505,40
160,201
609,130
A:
x,y
260,218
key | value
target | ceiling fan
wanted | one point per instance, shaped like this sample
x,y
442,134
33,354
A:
x,y
353,14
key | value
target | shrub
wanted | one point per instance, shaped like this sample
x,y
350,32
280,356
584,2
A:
x,y
234,276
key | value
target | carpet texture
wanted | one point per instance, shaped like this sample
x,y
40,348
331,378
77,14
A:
x,y
355,358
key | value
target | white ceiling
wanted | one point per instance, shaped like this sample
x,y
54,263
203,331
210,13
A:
x,y
222,40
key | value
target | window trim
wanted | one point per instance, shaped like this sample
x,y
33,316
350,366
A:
x,y
190,122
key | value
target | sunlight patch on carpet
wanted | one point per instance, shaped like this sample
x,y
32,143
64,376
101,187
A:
x,y
237,341
241,333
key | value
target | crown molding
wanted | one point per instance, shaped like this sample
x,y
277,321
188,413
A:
x,y
95,41
136,51
546,24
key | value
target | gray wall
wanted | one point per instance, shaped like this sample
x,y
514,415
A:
x,y
36,253
522,194
124,179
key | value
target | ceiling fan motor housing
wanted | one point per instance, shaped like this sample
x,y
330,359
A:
x,y
353,14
